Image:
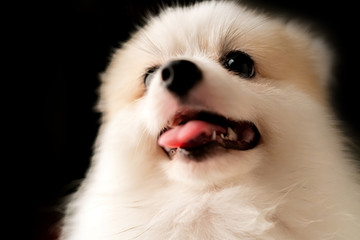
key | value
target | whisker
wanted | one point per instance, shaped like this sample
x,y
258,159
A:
x,y
140,234
129,229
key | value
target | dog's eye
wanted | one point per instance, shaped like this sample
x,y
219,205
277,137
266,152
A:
x,y
149,76
240,63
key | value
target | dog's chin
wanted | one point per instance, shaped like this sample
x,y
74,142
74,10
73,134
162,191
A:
x,y
217,167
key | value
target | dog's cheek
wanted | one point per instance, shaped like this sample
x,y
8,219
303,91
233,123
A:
x,y
124,150
158,107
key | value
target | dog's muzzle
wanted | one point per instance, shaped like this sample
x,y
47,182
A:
x,y
196,133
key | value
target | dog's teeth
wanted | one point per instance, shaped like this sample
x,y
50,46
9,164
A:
x,y
231,134
213,137
222,136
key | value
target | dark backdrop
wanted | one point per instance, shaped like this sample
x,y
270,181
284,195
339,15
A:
x,y
68,44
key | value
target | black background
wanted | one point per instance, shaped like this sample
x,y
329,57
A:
x,y
62,46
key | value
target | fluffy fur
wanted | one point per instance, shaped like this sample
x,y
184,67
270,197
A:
x,y
298,183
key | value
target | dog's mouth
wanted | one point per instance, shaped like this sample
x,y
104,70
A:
x,y
197,133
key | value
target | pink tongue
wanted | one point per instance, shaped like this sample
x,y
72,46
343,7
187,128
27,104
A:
x,y
191,134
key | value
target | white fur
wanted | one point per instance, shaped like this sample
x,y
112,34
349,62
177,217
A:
x,y
298,183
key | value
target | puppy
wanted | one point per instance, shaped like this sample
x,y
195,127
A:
x,y
216,126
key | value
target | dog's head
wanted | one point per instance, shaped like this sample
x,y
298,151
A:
x,y
211,92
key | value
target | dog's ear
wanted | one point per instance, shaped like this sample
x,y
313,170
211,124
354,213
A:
x,y
101,103
319,49
121,84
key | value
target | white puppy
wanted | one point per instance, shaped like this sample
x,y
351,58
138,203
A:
x,y
216,126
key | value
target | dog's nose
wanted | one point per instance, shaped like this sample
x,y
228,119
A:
x,y
180,76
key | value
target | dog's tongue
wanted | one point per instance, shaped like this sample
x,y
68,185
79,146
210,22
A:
x,y
192,134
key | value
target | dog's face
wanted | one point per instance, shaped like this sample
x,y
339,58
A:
x,y
210,94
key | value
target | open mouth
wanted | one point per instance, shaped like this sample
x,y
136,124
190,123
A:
x,y
196,133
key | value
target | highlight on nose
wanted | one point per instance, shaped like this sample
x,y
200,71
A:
x,y
179,76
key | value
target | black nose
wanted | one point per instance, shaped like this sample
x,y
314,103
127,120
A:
x,y
180,76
